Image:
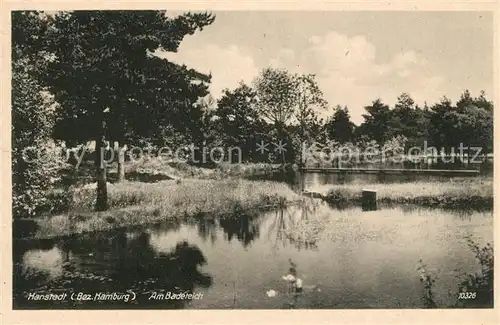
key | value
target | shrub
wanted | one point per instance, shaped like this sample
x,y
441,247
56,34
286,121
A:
x,y
33,181
476,288
480,282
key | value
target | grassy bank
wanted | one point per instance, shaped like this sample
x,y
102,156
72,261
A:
x,y
135,203
150,170
476,193
156,167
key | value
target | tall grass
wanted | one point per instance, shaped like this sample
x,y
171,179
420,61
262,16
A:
x,y
474,193
156,166
244,170
174,169
133,203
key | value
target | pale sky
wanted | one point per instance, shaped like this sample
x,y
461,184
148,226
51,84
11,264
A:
x,y
356,56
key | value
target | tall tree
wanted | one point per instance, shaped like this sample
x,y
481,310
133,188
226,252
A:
x,y
379,124
32,115
483,102
473,121
339,127
465,100
409,120
106,79
403,112
309,102
236,120
441,125
290,102
277,95
469,122
475,127
277,101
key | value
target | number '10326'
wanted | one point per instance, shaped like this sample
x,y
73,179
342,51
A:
x,y
467,295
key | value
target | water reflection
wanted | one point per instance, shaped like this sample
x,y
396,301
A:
x,y
207,228
369,257
287,219
242,227
111,262
48,261
319,179
300,181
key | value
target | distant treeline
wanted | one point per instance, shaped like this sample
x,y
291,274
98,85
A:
x,y
444,125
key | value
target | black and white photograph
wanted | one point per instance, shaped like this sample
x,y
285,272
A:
x,y
273,159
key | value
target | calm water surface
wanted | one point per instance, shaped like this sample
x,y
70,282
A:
x,y
363,260
317,181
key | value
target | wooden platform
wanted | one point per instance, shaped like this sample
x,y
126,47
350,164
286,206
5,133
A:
x,y
434,172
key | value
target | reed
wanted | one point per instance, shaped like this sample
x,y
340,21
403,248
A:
x,y
135,203
476,194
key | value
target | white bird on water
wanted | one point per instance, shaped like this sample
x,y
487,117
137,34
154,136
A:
x,y
272,293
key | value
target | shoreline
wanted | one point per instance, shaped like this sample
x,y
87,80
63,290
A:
x,y
139,204
208,214
134,204
461,194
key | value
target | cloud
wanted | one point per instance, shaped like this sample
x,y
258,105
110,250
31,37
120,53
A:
x,y
283,59
349,74
228,65
347,69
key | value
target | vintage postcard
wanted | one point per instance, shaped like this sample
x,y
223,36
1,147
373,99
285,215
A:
x,y
258,158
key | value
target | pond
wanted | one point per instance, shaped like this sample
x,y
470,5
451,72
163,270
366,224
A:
x,y
313,181
360,260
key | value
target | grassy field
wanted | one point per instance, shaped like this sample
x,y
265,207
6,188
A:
x,y
135,203
475,193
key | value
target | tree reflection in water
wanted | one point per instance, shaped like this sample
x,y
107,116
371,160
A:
x,y
122,260
115,262
207,228
244,227
142,269
286,218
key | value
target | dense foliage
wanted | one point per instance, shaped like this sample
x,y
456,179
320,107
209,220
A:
x,y
34,165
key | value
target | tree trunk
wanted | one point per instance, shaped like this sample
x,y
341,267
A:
x,y
121,163
100,164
